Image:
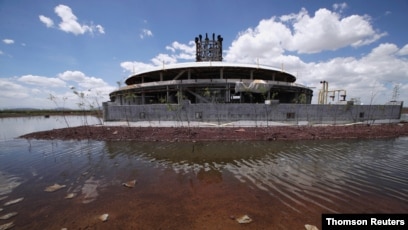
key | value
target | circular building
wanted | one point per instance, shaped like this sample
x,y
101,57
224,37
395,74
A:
x,y
212,90
207,89
211,82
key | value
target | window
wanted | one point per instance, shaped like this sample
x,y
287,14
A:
x,y
361,115
290,115
142,115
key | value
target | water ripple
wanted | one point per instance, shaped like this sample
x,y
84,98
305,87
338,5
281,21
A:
x,y
329,173
324,176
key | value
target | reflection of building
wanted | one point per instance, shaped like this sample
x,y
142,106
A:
x,y
209,89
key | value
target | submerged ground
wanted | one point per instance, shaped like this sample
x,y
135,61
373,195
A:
x,y
186,178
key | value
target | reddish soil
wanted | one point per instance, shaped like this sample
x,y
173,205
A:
x,y
225,133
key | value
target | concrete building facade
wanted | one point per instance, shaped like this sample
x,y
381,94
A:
x,y
212,90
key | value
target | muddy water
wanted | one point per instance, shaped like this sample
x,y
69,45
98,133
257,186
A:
x,y
203,185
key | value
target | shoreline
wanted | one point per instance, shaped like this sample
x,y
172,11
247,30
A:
x,y
192,134
48,113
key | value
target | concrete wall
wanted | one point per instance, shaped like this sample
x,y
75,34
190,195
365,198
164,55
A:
x,y
255,112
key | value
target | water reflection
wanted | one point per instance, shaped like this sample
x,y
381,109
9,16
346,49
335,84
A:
x,y
7,184
273,182
325,173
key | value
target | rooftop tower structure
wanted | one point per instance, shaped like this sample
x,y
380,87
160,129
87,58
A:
x,y
208,50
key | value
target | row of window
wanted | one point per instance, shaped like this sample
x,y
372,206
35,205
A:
x,y
199,115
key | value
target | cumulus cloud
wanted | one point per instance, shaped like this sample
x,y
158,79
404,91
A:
x,y
182,51
83,81
69,22
267,40
403,51
95,90
8,41
77,76
340,6
10,89
145,33
135,67
286,41
42,81
36,90
178,51
329,31
371,75
47,21
302,33
162,59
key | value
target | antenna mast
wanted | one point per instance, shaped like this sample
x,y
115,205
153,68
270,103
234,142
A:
x,y
395,92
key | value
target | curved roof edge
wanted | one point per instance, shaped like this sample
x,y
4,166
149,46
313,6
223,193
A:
x,y
206,64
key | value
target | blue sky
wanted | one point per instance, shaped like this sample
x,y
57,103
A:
x,y
47,47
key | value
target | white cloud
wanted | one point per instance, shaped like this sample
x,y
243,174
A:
x,y
10,89
163,59
182,51
41,81
340,6
276,41
302,33
178,50
135,67
95,90
8,41
264,41
403,51
329,31
36,90
69,22
100,29
368,77
77,76
92,82
47,21
145,33
83,81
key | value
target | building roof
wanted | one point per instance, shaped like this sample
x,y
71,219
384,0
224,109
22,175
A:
x,y
206,66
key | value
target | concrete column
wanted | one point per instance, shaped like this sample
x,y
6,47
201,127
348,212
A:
x,y
167,94
227,94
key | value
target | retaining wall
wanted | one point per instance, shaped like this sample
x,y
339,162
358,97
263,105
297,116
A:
x,y
277,112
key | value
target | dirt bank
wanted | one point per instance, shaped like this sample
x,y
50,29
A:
x,y
224,133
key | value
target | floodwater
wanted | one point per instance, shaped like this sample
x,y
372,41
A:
x,y
202,185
